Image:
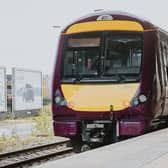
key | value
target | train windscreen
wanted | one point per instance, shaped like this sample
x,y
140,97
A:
x,y
106,57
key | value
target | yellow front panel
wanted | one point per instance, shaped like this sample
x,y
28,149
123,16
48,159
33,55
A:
x,y
99,97
104,26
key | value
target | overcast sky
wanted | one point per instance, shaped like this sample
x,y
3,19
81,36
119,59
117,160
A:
x,y
28,39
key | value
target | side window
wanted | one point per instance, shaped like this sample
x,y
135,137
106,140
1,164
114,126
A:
x,y
164,62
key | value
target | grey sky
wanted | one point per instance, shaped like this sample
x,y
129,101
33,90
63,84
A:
x,y
28,39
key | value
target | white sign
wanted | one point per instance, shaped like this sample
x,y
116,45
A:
x,y
3,99
27,92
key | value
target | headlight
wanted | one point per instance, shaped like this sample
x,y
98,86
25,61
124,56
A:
x,y
63,103
135,102
142,98
59,99
139,99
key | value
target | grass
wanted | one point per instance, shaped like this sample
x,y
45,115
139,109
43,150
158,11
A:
x,y
43,123
41,133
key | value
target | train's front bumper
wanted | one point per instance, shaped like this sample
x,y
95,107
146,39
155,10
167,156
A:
x,y
125,128
65,128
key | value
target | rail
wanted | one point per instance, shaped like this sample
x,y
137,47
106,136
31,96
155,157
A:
x,y
31,155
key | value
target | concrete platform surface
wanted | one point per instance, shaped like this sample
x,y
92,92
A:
x,y
147,151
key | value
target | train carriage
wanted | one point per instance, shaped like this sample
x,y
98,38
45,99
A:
x,y
110,78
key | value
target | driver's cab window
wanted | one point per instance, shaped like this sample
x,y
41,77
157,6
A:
x,y
122,53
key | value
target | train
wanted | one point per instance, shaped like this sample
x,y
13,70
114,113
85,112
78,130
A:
x,y
110,79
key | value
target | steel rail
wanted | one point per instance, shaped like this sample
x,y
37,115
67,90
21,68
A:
x,y
34,154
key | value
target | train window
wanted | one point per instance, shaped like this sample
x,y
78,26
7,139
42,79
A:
x,y
81,57
123,54
166,50
163,62
68,70
102,56
166,63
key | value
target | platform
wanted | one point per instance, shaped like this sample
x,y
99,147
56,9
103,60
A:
x,y
147,151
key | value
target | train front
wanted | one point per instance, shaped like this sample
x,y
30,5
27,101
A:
x,y
97,80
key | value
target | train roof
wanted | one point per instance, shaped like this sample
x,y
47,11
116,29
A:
x,y
116,15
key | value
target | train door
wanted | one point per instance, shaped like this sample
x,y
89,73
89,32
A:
x,y
164,54
163,70
160,85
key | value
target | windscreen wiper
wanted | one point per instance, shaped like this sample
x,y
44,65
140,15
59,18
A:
x,y
78,79
124,78
87,77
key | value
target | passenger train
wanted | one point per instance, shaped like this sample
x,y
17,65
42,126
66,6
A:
x,y
110,79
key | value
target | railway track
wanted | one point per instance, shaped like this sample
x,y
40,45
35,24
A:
x,y
29,156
